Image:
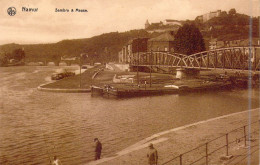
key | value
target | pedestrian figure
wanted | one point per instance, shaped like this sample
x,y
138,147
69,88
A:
x,y
152,155
56,161
98,149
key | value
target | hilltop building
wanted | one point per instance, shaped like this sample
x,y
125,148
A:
x,y
205,17
147,24
163,26
172,22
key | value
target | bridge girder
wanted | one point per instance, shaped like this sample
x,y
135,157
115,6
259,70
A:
x,y
242,58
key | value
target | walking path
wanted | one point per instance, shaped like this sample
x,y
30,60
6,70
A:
x,y
177,141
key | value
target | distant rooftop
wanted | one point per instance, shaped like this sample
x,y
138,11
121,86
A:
x,y
140,39
172,20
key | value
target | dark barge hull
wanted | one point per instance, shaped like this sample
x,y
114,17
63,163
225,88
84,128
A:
x,y
121,93
149,92
97,91
136,93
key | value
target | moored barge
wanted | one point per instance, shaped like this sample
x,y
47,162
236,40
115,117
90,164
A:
x,y
113,91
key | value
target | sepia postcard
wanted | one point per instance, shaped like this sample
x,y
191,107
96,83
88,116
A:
x,y
129,82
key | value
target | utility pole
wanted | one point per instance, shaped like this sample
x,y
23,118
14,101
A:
x,y
151,64
137,60
80,65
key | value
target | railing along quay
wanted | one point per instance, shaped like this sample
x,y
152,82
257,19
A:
x,y
228,139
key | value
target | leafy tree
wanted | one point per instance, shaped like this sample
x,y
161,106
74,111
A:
x,y
232,11
56,59
18,54
223,14
3,59
189,40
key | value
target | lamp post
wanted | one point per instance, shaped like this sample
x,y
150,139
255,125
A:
x,y
150,60
80,66
137,60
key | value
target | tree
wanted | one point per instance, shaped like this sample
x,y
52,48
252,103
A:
x,y
18,54
223,14
56,59
188,40
3,59
232,11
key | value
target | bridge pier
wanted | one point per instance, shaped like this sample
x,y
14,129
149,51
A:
x,y
187,73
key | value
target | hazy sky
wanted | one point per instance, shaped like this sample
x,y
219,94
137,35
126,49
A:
x,y
48,26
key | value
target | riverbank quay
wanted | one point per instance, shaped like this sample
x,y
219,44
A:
x,y
191,141
131,84
74,84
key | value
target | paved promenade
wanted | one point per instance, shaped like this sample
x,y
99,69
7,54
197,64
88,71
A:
x,y
177,141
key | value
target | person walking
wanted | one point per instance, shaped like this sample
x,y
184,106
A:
x,y
98,149
56,161
152,155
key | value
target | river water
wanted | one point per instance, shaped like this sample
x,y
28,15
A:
x,y
37,125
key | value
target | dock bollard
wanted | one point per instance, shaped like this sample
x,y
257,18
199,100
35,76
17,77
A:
x,y
180,159
227,143
207,161
245,134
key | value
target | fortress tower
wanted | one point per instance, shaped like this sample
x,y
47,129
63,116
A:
x,y
147,24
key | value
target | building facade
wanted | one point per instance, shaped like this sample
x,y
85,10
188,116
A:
x,y
162,43
208,16
172,22
163,26
133,46
216,44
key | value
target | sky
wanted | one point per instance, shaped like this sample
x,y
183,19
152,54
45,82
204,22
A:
x,y
103,16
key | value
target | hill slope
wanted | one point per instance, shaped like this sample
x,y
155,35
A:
x,y
101,48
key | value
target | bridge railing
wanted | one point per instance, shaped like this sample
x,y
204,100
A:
x,y
218,146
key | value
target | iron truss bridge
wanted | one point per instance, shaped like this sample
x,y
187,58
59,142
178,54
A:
x,y
241,58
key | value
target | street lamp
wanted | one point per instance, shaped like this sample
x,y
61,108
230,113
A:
x,y
150,61
80,65
138,60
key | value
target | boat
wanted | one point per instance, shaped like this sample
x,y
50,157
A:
x,y
136,91
96,91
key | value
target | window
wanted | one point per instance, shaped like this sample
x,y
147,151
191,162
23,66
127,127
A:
x,y
166,49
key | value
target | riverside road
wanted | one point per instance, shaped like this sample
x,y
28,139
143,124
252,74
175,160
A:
x,y
37,125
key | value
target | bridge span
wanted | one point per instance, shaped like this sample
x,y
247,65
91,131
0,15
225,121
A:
x,y
239,58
